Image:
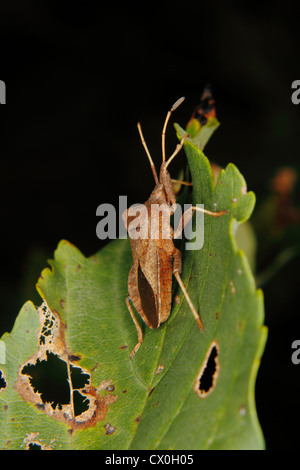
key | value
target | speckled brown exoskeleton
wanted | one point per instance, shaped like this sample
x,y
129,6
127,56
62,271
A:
x,y
155,258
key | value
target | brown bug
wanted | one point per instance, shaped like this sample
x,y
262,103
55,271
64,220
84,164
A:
x,y
155,259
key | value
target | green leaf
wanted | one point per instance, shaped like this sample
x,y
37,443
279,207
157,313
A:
x,y
159,399
200,135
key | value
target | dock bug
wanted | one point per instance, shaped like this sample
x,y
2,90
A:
x,y
155,257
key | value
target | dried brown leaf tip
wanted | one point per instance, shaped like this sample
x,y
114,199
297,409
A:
x,y
208,374
55,383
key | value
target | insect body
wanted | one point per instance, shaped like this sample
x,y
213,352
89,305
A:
x,y
155,257
206,109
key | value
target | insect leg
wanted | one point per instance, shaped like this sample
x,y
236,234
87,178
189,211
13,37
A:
x,y
186,183
176,271
213,213
138,328
187,215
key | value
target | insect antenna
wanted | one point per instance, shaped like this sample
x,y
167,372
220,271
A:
x,y
163,135
148,153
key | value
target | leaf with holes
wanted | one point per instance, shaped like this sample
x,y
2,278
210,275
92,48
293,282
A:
x,y
68,382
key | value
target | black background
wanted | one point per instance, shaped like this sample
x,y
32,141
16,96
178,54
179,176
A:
x,y
79,77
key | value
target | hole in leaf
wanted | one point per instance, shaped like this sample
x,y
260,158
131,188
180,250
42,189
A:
x,y
50,379
209,371
55,385
2,381
33,446
206,380
32,443
81,403
79,378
